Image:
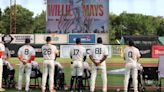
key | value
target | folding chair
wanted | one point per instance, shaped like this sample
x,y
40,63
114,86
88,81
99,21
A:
x,y
161,69
5,76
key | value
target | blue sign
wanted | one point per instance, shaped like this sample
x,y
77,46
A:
x,y
85,38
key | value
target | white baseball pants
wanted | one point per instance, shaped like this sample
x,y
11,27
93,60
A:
x,y
77,68
48,68
131,69
27,68
94,75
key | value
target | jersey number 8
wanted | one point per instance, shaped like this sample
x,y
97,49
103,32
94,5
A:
x,y
26,52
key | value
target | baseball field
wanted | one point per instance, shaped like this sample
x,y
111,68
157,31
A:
x,y
115,82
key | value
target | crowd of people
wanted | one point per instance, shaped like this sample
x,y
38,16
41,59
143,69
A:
x,y
98,55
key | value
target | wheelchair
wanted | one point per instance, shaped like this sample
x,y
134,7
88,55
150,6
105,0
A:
x,y
35,75
141,87
86,77
59,79
151,77
8,77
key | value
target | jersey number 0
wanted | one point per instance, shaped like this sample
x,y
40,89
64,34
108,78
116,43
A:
x,y
130,54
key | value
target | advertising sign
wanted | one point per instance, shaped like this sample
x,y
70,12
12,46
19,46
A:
x,y
157,50
20,38
56,38
77,16
85,38
17,38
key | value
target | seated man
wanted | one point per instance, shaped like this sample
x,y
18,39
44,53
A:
x,y
10,73
35,69
7,63
87,70
56,63
59,80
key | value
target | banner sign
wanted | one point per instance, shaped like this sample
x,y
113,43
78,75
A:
x,y
157,50
65,50
20,38
56,38
145,50
17,38
77,16
85,38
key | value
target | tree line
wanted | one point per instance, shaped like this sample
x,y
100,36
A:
x,y
134,24
119,25
25,22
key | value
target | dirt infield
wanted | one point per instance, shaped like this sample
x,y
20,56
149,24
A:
x,y
108,65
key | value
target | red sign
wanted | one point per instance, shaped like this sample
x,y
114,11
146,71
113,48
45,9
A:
x,y
157,50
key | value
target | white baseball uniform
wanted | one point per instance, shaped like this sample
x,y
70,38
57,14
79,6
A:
x,y
49,54
2,50
77,52
98,52
25,52
131,54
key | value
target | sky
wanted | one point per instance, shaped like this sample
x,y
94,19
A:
x,y
146,7
33,5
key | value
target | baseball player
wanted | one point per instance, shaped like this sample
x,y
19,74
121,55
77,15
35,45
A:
x,y
131,56
2,50
50,53
78,55
26,55
98,54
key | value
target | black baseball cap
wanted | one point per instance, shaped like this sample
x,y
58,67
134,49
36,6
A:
x,y
48,39
99,40
27,40
78,40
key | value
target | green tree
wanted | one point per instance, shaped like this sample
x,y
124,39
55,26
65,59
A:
x,y
40,23
1,22
160,29
24,20
134,24
0,14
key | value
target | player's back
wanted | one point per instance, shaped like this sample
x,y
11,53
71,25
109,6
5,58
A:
x,y
49,51
98,51
77,52
26,51
131,54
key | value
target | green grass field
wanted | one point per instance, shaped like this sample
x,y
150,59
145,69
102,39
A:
x,y
113,80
